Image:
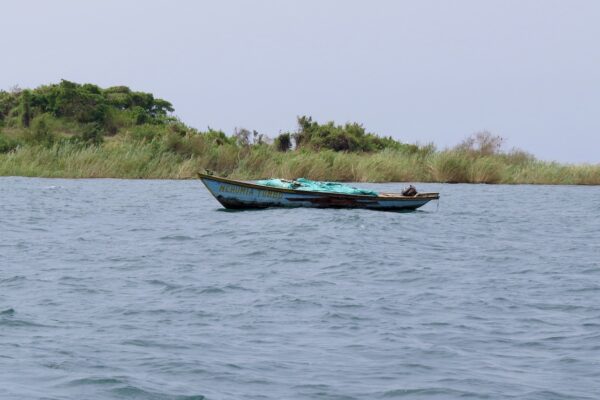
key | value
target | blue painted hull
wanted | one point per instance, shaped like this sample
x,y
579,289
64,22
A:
x,y
245,195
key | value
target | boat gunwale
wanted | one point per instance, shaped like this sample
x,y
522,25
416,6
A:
x,y
385,197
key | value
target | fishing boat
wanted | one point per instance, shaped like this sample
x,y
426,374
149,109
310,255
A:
x,y
234,194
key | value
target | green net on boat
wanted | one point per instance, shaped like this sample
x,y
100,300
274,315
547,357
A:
x,y
316,186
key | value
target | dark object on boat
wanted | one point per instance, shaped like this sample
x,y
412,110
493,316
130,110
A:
x,y
245,195
409,191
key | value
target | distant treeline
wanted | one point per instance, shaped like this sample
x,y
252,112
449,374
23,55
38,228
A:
x,y
82,130
89,113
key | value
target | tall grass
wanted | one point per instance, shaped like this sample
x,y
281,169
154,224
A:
x,y
182,157
73,161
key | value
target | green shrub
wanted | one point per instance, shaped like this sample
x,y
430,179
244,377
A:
x,y
40,132
8,144
350,137
218,138
8,103
92,134
115,120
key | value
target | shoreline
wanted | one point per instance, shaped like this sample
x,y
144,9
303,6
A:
x,y
345,182
117,159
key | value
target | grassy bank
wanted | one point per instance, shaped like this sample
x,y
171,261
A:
x,y
83,131
122,159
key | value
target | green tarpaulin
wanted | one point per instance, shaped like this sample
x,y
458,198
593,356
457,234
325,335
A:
x,y
316,186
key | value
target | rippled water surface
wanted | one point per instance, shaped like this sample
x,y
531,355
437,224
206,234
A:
x,y
115,289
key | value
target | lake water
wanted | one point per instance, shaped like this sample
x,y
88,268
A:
x,y
117,289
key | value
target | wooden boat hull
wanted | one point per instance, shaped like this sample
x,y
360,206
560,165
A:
x,y
245,195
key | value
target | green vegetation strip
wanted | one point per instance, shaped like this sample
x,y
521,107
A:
x,y
83,131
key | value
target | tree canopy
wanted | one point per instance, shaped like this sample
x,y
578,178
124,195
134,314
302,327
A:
x,y
83,103
86,113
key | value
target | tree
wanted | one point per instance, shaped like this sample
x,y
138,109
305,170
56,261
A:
x,y
481,143
283,142
26,108
242,136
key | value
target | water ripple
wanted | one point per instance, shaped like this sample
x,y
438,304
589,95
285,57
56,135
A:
x,y
116,289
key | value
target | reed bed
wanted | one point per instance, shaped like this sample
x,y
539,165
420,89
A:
x,y
121,158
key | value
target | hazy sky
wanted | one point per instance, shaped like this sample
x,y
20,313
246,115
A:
x,y
420,71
